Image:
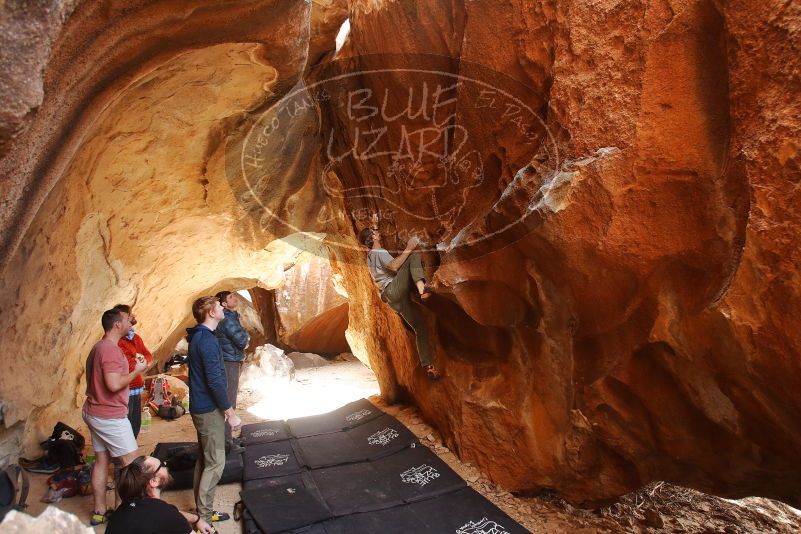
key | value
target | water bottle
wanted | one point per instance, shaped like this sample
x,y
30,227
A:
x,y
146,420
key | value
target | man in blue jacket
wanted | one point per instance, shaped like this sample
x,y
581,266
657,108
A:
x,y
209,404
233,342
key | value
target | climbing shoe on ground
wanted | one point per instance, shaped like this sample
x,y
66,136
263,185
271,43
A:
x,y
219,516
99,519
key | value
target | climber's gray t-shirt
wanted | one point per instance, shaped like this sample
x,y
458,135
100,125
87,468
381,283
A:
x,y
377,260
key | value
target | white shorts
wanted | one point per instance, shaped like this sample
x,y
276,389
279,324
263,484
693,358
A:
x,y
112,435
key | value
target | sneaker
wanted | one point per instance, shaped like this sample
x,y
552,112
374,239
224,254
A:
x,y
219,516
99,519
42,466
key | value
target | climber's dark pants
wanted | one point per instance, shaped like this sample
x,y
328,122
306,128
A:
x,y
396,294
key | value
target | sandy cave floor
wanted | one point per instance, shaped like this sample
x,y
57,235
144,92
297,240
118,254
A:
x,y
659,507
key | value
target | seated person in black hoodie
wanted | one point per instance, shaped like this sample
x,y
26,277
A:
x,y
142,511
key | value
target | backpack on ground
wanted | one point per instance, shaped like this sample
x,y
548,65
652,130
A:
x,y
64,447
161,402
13,488
65,433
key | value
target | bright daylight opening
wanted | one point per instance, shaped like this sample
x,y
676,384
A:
x,y
298,360
344,30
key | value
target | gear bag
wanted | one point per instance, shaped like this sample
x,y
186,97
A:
x,y
64,446
13,481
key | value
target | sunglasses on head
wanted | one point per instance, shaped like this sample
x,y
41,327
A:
x,y
163,464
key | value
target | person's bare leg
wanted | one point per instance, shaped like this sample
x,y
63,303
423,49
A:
x,y
126,459
99,478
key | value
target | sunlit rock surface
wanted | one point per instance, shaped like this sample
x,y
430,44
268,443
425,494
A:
x,y
118,189
617,287
313,315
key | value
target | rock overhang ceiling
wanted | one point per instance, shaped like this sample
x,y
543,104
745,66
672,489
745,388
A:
x,y
616,283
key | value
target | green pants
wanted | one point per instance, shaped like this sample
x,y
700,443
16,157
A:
x,y
210,460
396,294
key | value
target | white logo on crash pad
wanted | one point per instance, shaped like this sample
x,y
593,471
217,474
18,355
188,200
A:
x,y
357,416
264,432
382,437
272,460
421,475
482,526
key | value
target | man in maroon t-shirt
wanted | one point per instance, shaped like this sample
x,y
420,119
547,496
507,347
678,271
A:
x,y
106,408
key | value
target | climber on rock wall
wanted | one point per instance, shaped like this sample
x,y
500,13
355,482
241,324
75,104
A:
x,y
394,277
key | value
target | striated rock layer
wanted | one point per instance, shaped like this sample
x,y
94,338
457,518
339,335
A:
x,y
609,190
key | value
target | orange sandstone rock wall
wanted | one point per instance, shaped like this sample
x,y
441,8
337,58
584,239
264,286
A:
x,y
116,181
639,322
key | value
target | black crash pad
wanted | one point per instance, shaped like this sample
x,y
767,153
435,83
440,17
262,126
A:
x,y
270,460
397,520
407,476
284,507
317,528
256,483
417,473
460,512
352,488
265,432
463,512
252,528
349,416
382,436
303,479
180,459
